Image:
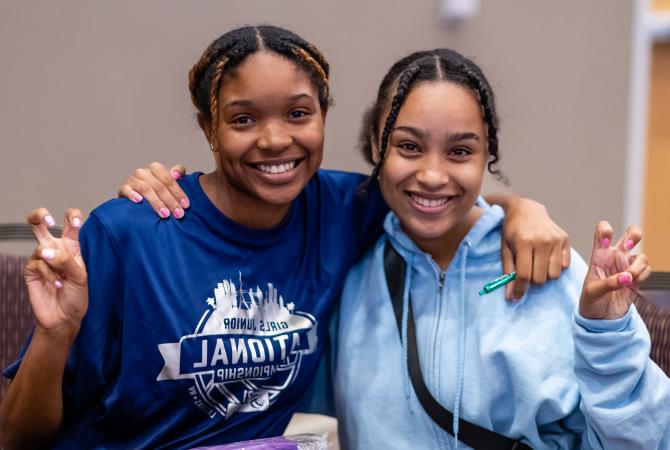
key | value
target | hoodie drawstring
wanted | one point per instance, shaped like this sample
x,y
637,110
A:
x,y
405,318
461,342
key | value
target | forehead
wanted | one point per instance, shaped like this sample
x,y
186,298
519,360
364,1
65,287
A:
x,y
263,73
441,102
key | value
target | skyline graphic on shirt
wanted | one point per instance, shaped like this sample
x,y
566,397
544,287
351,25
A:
x,y
245,351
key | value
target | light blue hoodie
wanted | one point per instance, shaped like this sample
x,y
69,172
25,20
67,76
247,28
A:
x,y
529,369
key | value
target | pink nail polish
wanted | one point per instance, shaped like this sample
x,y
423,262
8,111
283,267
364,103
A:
x,y
176,175
178,213
164,212
629,244
58,284
48,253
626,279
184,203
137,198
606,243
49,221
76,222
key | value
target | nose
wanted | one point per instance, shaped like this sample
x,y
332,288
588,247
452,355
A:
x,y
274,137
433,173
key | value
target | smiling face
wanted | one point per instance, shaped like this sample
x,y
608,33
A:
x,y
269,141
434,164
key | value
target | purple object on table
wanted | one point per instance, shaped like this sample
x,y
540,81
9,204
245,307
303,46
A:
x,y
297,442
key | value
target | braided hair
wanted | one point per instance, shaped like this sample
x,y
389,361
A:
x,y
231,49
434,65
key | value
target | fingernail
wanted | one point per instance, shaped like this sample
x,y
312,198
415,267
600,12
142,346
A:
x,y
76,222
164,212
49,221
625,279
137,198
184,203
176,175
606,243
48,253
58,284
629,244
178,213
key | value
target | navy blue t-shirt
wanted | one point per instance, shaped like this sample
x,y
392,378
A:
x,y
202,331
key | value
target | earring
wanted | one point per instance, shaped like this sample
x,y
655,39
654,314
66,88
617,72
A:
x,y
211,146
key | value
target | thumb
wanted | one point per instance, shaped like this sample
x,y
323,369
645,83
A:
x,y
595,289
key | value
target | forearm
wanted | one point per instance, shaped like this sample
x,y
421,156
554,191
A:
x,y
624,394
502,199
32,410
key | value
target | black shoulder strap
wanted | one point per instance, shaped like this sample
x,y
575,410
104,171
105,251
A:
x,y
469,433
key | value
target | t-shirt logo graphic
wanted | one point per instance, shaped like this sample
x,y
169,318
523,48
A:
x,y
246,349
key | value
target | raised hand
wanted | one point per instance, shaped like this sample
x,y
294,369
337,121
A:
x,y
159,186
613,274
56,275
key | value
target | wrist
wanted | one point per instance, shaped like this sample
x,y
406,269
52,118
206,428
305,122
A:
x,y
63,334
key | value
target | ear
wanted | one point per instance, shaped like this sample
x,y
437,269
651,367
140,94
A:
x,y
205,126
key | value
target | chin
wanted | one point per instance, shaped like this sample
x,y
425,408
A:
x,y
280,196
425,231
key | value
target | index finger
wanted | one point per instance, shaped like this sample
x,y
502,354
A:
x,y
40,220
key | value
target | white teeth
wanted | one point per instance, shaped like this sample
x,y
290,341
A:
x,y
431,203
276,168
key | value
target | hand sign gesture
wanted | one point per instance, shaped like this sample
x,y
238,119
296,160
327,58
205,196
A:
x,y
613,275
56,275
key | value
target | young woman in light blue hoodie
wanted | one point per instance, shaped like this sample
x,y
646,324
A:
x,y
565,367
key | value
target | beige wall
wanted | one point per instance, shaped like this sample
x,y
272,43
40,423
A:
x,y
91,89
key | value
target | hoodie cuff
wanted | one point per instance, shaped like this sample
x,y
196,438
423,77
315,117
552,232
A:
x,y
604,326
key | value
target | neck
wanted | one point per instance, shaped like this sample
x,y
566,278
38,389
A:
x,y
443,248
239,206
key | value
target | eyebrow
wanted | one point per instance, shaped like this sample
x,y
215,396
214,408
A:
x,y
451,137
411,130
247,102
463,136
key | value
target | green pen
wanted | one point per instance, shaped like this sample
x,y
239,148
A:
x,y
498,282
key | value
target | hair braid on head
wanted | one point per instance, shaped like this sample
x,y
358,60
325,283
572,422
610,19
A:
x,y
304,54
486,99
404,83
214,99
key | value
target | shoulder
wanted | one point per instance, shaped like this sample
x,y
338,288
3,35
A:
x,y
335,183
366,273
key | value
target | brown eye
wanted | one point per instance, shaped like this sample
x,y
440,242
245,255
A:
x,y
298,114
460,152
408,147
242,120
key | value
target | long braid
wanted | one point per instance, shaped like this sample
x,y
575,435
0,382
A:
x,y
214,100
486,99
404,83
301,52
